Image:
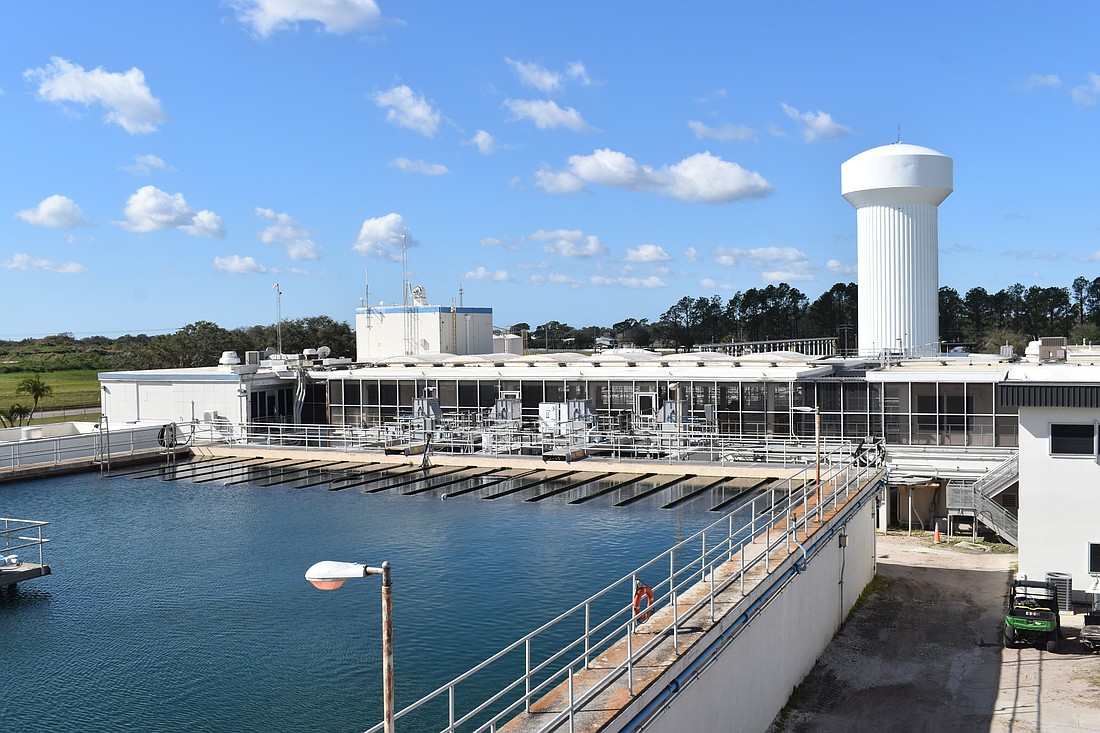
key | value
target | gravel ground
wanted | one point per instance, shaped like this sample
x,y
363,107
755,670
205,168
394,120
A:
x,y
924,653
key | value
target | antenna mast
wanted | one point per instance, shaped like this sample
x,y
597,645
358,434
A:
x,y
278,319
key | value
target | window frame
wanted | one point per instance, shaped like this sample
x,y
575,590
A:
x,y
1075,454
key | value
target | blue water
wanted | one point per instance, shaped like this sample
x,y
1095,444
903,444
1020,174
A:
x,y
179,606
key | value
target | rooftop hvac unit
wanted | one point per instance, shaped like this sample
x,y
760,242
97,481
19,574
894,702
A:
x,y
1007,352
251,357
1052,348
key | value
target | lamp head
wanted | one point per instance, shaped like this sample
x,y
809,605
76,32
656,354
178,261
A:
x,y
330,575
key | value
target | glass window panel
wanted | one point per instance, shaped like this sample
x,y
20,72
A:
x,y
923,430
752,396
352,393
406,391
555,391
448,393
828,396
980,430
487,393
1072,440
855,397
336,391
895,398
467,393
980,400
1007,434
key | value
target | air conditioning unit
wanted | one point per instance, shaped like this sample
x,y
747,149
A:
x,y
1052,348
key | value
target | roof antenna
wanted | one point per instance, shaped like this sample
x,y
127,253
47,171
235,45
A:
x,y
899,135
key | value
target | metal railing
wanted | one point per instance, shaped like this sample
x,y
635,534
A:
x,y
1000,478
997,518
668,446
18,534
741,542
91,446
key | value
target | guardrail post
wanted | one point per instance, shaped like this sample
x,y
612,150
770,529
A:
x,y
587,632
527,676
570,698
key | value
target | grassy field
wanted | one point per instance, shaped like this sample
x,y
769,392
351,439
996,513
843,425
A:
x,y
71,389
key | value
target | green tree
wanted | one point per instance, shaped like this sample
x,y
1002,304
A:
x,y
36,389
14,415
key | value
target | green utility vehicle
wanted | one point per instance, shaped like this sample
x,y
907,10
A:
x,y
1032,615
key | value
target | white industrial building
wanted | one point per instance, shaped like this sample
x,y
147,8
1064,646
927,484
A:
x,y
421,328
991,440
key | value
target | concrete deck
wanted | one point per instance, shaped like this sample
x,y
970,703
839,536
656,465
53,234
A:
x,y
26,571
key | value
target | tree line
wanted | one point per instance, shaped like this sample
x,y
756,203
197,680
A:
x,y
977,318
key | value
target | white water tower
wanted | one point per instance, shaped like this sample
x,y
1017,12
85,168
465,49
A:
x,y
896,191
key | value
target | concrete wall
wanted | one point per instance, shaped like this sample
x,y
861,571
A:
x,y
1059,500
749,681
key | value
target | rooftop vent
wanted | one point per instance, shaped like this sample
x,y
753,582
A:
x,y
229,358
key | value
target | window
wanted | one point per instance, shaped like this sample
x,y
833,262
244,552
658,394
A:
x,y
1094,558
1072,440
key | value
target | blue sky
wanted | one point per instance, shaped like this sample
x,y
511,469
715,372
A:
x,y
168,162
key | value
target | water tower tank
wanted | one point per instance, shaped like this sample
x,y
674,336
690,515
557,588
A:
x,y
896,191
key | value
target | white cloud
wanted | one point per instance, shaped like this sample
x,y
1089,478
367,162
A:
x,y
725,257
839,268
1086,94
572,243
286,231
145,164
337,16
628,282
382,237
486,143
789,275
23,262
647,253
125,96
723,132
1032,255
406,109
575,70
149,210
419,166
691,254
558,182
56,212
545,80
700,178
534,75
483,274
1094,257
237,265
547,115
775,130
559,279
816,125
777,264
1040,81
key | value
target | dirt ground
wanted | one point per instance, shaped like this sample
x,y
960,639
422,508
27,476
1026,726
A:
x,y
924,653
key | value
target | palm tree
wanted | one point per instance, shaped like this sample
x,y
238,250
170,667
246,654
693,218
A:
x,y
36,389
14,415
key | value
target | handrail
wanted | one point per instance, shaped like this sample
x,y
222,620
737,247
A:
x,y
11,526
778,518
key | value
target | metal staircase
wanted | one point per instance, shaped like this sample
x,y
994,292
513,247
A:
x,y
976,499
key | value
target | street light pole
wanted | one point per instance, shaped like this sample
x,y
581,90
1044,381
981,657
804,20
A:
x,y
330,575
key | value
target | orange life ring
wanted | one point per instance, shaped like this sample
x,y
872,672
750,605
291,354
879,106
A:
x,y
644,591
